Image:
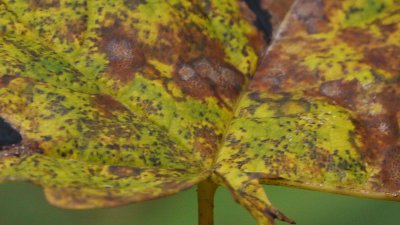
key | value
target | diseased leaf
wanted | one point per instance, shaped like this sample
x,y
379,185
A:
x,y
113,103
124,101
322,111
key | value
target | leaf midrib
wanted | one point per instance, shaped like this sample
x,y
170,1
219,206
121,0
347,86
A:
x,y
246,88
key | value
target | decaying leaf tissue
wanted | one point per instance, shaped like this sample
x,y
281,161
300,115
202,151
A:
x,y
104,103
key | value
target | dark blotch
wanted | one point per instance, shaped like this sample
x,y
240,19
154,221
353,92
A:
x,y
8,135
133,4
45,4
263,21
5,80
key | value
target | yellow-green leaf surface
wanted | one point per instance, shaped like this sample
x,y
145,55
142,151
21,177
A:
x,y
119,101
322,111
123,101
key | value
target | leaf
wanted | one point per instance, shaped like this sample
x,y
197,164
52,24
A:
x,y
113,104
124,101
322,111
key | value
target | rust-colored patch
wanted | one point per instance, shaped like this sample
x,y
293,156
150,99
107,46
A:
x,y
192,83
281,74
258,43
380,130
388,28
375,114
381,133
124,53
75,30
356,37
167,48
108,105
226,80
45,4
301,21
390,173
6,79
124,171
174,185
26,147
174,47
201,78
206,142
230,82
386,58
342,92
277,9
311,15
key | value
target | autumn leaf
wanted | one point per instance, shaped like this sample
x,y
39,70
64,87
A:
x,y
104,103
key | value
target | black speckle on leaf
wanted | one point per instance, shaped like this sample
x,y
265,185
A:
x,y
8,135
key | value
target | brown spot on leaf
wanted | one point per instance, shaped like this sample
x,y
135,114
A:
x,y
311,14
6,79
226,80
124,171
108,105
75,30
191,83
132,4
380,133
119,49
124,53
168,47
385,58
186,73
45,4
388,29
282,73
206,141
229,82
356,37
201,78
173,185
390,173
343,92
379,128
26,147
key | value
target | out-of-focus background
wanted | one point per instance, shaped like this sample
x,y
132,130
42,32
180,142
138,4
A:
x,y
24,204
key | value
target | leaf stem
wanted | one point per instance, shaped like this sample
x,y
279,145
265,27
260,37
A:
x,y
205,201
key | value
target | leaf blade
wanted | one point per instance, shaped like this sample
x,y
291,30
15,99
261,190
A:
x,y
310,112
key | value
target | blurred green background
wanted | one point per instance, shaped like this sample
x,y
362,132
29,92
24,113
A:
x,y
24,204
